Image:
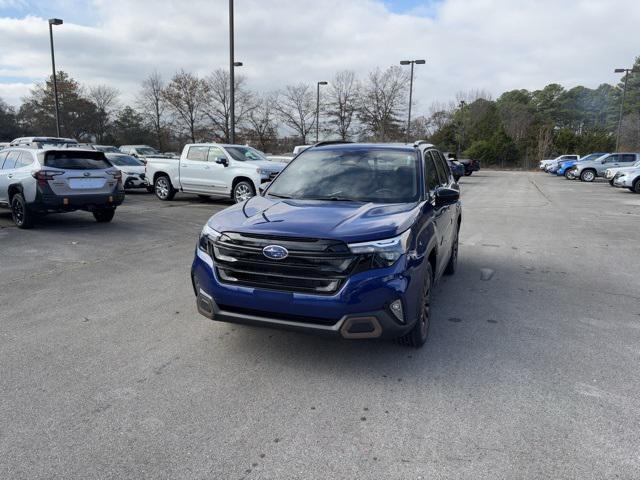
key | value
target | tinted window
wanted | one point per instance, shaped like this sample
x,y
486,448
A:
x,y
245,153
197,153
76,160
445,165
628,158
439,167
24,160
430,172
11,160
612,159
378,175
215,153
124,161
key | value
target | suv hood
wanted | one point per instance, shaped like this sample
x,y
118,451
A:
x,y
346,221
264,165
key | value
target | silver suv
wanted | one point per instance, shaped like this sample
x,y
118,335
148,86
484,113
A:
x,y
588,171
35,182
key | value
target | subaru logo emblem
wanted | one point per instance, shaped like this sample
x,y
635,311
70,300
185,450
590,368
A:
x,y
275,252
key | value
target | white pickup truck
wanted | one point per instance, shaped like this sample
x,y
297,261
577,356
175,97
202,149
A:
x,y
212,169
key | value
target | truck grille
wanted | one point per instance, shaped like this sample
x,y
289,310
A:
x,y
312,266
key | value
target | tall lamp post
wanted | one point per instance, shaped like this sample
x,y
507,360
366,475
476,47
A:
x,y
626,71
412,63
318,108
52,22
232,79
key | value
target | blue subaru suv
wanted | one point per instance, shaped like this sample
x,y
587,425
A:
x,y
348,240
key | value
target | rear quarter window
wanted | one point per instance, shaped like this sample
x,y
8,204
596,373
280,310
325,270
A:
x,y
76,160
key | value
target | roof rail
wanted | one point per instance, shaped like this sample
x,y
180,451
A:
x,y
417,143
331,142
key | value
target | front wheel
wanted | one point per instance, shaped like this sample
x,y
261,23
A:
x,y
417,337
568,174
611,182
163,188
105,215
20,213
636,187
242,191
467,174
588,176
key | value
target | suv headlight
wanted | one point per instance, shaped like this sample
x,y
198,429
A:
x,y
262,171
206,234
387,251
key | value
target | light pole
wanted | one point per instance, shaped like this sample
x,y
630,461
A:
x,y
232,79
412,63
626,71
52,22
318,109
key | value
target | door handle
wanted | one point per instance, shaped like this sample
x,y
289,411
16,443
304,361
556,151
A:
x,y
10,175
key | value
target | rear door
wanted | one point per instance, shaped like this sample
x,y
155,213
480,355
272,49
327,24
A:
x,y
82,172
627,159
194,170
446,181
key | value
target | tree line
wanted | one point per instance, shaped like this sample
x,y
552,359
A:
x,y
515,130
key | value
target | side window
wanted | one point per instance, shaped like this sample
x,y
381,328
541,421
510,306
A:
x,y
197,153
430,173
3,155
612,159
215,153
445,164
441,174
628,158
24,160
11,160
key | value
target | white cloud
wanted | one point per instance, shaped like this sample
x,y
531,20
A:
x,y
469,44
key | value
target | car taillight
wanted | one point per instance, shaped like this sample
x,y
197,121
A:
x,y
43,176
117,174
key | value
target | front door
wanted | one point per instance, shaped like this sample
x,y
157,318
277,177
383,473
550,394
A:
x,y
193,170
220,177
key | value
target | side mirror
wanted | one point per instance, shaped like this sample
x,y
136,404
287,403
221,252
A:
x,y
446,196
222,161
262,188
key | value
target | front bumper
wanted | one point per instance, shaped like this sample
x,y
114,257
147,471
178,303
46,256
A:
x,y
623,182
359,310
135,181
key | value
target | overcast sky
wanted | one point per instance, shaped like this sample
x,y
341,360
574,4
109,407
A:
x,y
494,45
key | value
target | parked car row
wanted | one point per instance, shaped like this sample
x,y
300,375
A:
x,y
621,169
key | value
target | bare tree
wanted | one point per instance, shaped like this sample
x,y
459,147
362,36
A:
x,y
383,102
343,103
261,123
105,99
217,106
185,96
296,107
152,104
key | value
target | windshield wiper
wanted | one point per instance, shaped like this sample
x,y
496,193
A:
x,y
278,196
332,198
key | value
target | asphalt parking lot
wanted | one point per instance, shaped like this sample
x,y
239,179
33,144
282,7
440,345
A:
x,y
531,369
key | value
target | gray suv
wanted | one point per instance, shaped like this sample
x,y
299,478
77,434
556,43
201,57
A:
x,y
35,182
588,171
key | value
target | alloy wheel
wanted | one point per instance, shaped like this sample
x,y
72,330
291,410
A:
x,y
17,210
242,192
162,188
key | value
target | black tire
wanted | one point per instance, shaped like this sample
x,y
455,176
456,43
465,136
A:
x,y
104,215
20,213
568,175
456,177
151,189
242,191
452,264
636,186
418,335
611,182
588,175
467,174
163,188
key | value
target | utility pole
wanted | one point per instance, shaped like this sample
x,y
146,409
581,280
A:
x,y
410,62
232,80
52,22
318,109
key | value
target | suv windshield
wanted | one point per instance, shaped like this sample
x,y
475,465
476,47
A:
x,y
76,160
372,175
245,153
124,160
147,151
